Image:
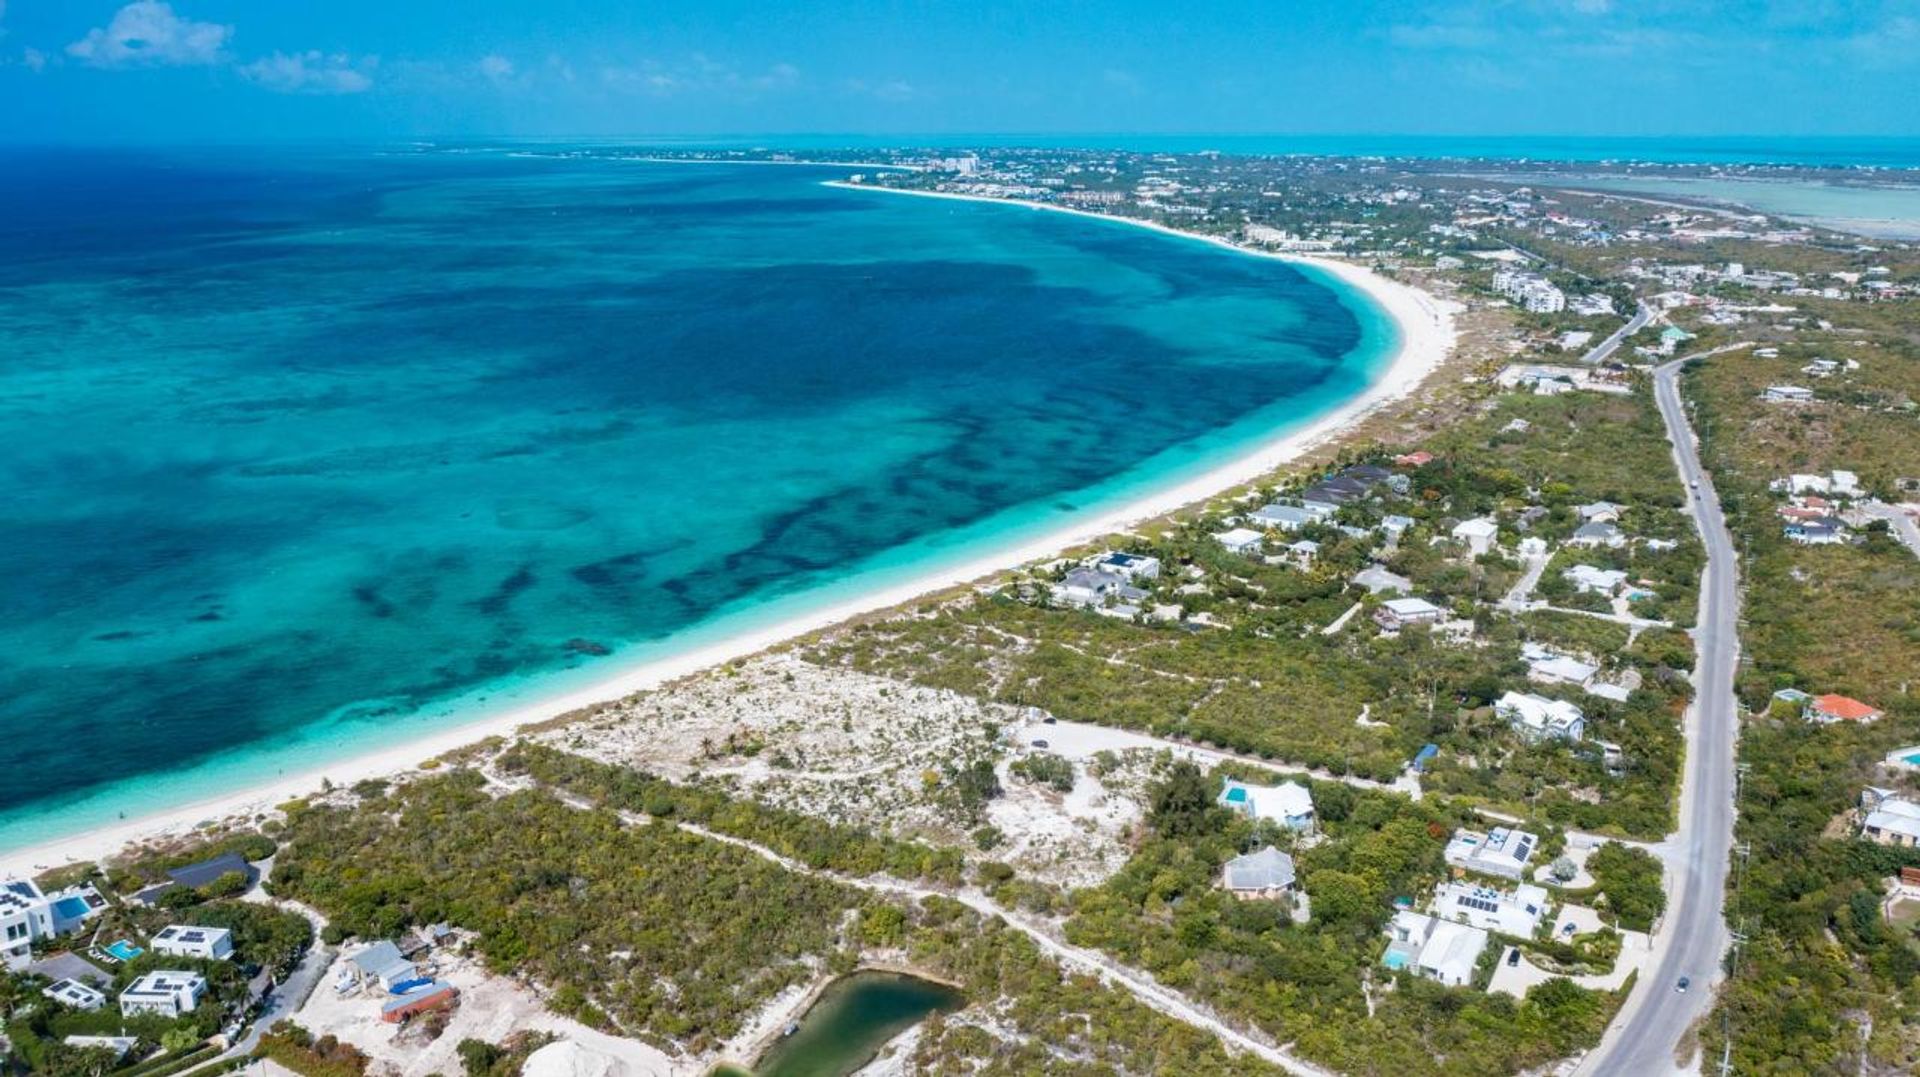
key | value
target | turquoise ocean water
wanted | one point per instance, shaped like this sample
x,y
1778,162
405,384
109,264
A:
x,y
310,453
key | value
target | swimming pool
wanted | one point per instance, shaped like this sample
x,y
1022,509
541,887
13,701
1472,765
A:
x,y
1395,960
71,908
124,949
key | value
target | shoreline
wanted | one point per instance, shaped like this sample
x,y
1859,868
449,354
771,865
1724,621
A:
x,y
1426,337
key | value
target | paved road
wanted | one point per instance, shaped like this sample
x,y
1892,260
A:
x,y
1904,526
1599,352
1693,936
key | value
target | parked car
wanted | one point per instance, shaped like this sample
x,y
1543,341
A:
x,y
1683,985
1513,957
1040,744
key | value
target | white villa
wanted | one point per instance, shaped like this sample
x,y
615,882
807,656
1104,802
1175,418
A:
x,y
1280,517
1538,718
1516,912
1134,566
1889,819
1239,540
75,994
206,943
1478,534
1592,580
1502,851
1397,613
29,915
1289,803
1434,948
168,993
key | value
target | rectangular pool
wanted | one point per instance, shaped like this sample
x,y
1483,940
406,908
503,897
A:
x,y
124,949
71,908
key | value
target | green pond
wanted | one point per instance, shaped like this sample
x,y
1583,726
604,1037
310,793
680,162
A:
x,y
854,1017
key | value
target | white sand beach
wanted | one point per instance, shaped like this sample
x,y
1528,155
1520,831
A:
x,y
1426,335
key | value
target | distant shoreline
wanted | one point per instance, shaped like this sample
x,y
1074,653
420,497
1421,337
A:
x,y
1425,338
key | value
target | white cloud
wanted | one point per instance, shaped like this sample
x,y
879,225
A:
x,y
311,72
147,33
34,60
699,74
495,67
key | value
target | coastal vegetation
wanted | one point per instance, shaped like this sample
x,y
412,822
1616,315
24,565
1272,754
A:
x,y
1825,980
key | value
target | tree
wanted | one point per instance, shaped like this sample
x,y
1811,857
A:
x,y
1181,804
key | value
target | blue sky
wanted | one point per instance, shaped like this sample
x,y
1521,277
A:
x,y
108,70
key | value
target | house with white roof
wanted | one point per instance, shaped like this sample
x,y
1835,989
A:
x,y
75,994
1397,613
1396,525
1478,534
205,943
1510,912
1601,511
1889,819
382,963
118,1045
1434,948
1593,580
1551,667
1787,394
1502,851
29,914
1290,804
1538,718
166,992
1239,540
1259,876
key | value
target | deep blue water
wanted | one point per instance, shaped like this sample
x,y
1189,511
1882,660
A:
x,y
308,453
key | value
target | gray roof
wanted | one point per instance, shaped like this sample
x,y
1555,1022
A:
x,y
71,966
206,871
1268,869
378,958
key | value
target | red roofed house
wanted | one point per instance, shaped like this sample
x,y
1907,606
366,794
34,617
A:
x,y
1414,459
1829,709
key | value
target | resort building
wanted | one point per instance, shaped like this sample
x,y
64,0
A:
x,y
1516,912
1434,948
1290,804
1261,876
1889,819
1539,718
1501,852
1829,709
1397,613
205,943
1531,291
75,994
168,993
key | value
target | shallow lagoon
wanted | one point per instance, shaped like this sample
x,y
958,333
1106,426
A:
x,y
310,454
853,1018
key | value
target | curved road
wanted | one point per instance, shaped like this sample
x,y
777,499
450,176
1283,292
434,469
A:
x,y
1646,1035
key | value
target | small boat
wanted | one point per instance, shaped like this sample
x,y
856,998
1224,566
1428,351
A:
x,y
792,1027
